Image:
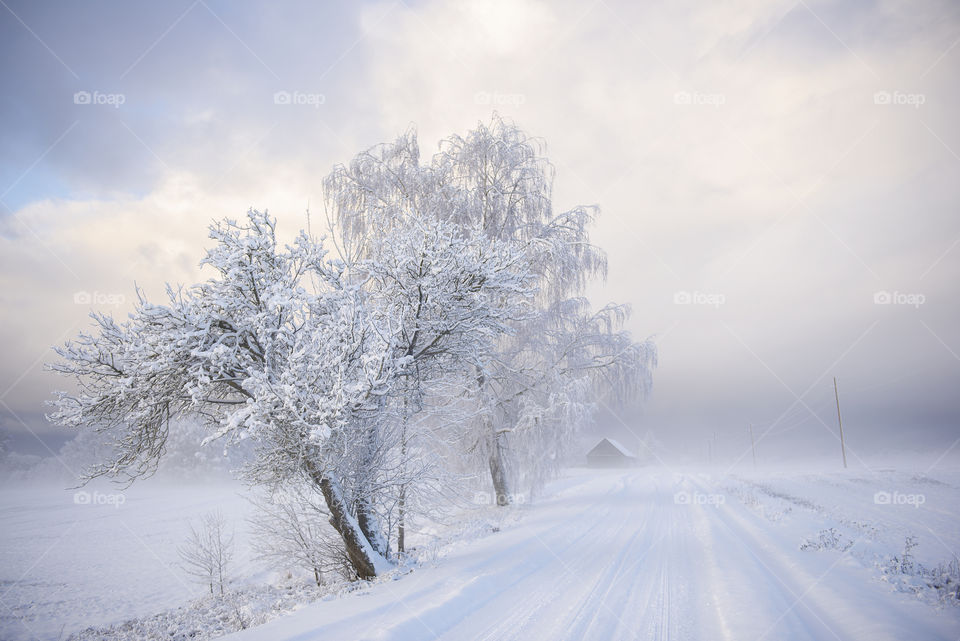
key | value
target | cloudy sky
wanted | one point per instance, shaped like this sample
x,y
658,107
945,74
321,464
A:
x,y
778,180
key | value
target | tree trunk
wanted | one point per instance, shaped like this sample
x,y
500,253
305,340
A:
x,y
363,558
401,521
497,472
402,503
370,526
366,516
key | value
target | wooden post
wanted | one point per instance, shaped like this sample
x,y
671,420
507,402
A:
x,y
753,447
843,447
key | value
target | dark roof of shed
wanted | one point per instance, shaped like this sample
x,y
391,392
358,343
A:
x,y
609,447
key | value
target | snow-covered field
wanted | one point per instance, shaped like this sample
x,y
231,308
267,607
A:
x,y
642,554
75,558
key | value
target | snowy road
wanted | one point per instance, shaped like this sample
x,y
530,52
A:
x,y
640,555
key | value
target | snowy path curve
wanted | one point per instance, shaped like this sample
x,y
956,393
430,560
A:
x,y
631,555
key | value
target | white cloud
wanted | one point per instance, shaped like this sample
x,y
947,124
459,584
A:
x,y
779,182
696,131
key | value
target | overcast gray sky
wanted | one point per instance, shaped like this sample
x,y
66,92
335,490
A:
x,y
779,180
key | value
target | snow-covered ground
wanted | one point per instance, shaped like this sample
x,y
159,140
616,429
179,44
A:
x,y
101,554
641,554
659,555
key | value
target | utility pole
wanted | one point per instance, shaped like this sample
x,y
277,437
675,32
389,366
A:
x,y
753,447
843,447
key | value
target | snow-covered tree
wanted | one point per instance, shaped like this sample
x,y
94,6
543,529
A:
x,y
294,351
452,313
537,379
387,188
547,373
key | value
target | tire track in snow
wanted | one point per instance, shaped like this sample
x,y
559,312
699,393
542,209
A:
x,y
484,591
597,607
664,620
528,622
548,605
651,595
609,609
528,607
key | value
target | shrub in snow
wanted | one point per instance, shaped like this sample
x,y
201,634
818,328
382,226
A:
x,y
829,539
905,563
292,528
210,617
208,551
907,574
945,579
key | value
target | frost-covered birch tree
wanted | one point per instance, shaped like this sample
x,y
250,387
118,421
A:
x,y
548,374
541,380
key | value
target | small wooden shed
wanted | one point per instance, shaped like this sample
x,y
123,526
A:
x,y
610,453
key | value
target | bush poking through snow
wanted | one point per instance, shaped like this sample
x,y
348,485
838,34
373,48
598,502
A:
x,y
210,617
908,575
905,564
945,579
828,539
293,529
208,551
